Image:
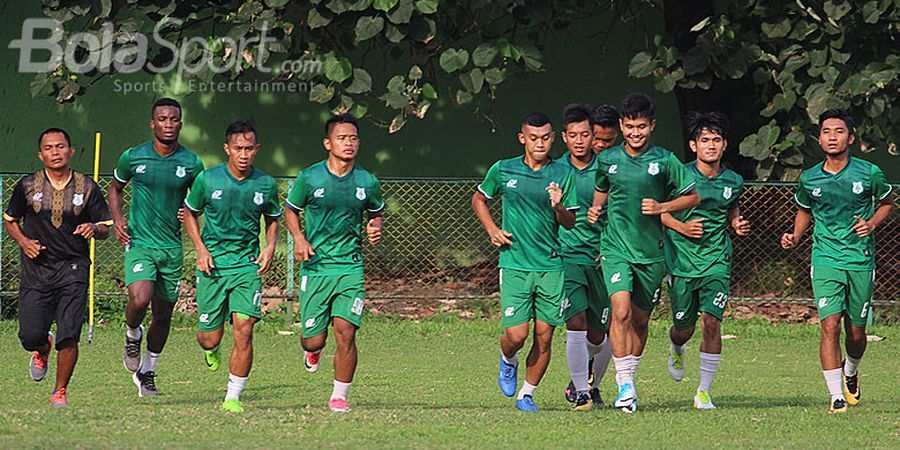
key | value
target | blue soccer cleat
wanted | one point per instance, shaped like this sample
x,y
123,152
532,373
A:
x,y
526,403
507,378
627,399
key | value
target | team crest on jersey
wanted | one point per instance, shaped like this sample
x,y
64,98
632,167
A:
x,y
817,192
361,193
38,196
613,168
78,199
180,172
726,193
217,194
141,168
319,193
857,187
512,183
653,169
258,198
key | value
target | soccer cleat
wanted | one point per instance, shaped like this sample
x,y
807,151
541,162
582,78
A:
x,y
703,401
39,363
146,383
676,366
596,399
852,392
583,402
232,405
58,399
838,406
507,378
311,361
571,393
526,403
213,359
627,399
338,405
131,356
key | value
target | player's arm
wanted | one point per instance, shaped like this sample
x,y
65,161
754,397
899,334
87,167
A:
x,y
692,228
121,175
265,257
597,205
864,228
98,218
194,203
295,202
738,222
651,207
375,209
487,190
801,223
16,210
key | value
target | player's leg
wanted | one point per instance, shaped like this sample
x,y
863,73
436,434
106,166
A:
x,y
244,298
212,309
71,301
713,298
861,286
598,325
36,313
517,309
574,308
645,296
548,297
316,294
685,301
169,266
140,277
829,290
347,312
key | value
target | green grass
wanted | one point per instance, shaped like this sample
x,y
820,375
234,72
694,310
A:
x,y
433,384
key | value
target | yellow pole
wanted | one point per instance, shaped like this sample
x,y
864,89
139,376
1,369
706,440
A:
x,y
91,279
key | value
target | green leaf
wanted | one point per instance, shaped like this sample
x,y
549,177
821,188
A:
x,y
359,110
453,60
695,61
105,8
276,3
385,5
315,19
463,97
494,76
394,34
777,30
338,6
397,123
532,57
427,6
415,73
870,12
396,100
839,57
396,84
320,93
791,156
641,65
362,82
875,108
764,169
484,54
836,11
403,12
359,5
368,27
337,69
816,100
422,29
429,92
472,81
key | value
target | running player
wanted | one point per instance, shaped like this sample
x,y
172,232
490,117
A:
x,y
233,196
52,214
539,195
587,303
333,195
848,198
606,127
161,171
637,179
698,250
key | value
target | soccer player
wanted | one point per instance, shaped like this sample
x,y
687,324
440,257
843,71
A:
x,y
233,196
333,195
606,127
586,302
161,171
638,180
52,214
698,250
848,198
539,195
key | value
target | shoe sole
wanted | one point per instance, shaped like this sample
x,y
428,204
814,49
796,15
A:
x,y
586,407
137,382
837,411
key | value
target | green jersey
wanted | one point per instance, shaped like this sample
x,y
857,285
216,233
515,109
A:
x,y
332,207
581,245
655,173
834,199
711,254
232,209
158,186
527,213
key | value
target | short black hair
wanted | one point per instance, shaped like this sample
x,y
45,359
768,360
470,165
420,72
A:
x,y
838,113
240,127
536,119
575,113
636,105
54,130
714,122
165,101
606,116
340,118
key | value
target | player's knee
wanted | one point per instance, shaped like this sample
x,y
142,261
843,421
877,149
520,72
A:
x,y
516,336
831,326
711,325
578,322
314,343
32,340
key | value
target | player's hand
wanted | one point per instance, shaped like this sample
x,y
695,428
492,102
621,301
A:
x,y
120,229
302,250
692,229
741,226
500,237
593,214
181,214
650,207
555,194
861,227
85,230
32,248
264,260
787,241
205,261
373,232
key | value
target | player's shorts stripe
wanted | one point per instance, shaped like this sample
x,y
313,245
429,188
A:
x,y
687,188
890,188
484,193
186,203
797,200
116,176
293,207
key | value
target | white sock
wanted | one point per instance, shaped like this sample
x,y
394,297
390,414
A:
x,y
833,381
622,375
340,390
601,361
851,366
133,333
150,360
678,349
635,361
577,356
235,386
512,360
709,362
527,389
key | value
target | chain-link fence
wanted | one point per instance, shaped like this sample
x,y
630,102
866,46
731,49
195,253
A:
x,y
433,247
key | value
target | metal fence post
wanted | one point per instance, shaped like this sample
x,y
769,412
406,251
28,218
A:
x,y
289,310
2,229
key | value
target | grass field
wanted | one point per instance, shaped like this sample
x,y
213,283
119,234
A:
x,y
433,384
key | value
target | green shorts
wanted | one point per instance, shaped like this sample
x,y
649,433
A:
x,y
531,295
691,296
325,296
839,291
641,280
220,295
586,291
162,266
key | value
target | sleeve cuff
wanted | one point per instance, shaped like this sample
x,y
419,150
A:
x,y
601,190
292,206
687,188
9,218
188,206
484,193
797,201
275,214
888,192
573,208
116,176
378,209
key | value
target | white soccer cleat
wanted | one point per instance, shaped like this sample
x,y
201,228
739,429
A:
x,y
676,366
703,401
